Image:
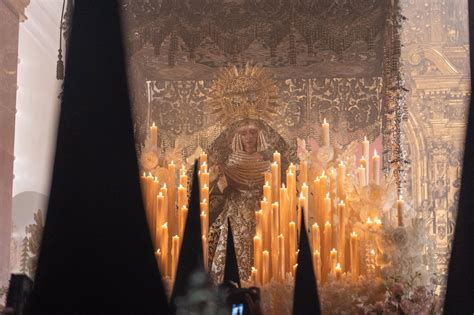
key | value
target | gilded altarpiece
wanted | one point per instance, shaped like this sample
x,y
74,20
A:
x,y
436,67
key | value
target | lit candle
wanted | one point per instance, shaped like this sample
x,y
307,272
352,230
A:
x,y
257,255
316,237
301,203
172,219
277,159
354,252
183,213
325,127
202,158
332,183
341,178
204,206
164,192
281,257
317,211
275,182
268,177
327,208
183,178
333,261
376,168
154,135
254,277
303,173
317,264
327,239
158,258
267,221
400,210
182,196
266,267
342,232
361,173
164,249
204,193
205,252
290,181
305,192
275,226
174,256
203,167
292,243
204,223
365,151
267,192
158,217
322,194
204,182
338,271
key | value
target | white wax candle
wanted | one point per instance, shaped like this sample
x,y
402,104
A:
x,y
376,168
325,128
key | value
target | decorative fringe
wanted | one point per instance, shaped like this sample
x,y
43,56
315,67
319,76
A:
x,y
60,66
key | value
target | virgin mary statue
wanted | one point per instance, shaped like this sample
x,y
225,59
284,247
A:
x,y
237,178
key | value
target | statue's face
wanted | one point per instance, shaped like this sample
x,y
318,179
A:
x,y
249,136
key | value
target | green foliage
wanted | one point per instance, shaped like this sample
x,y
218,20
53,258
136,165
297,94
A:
x,y
34,232
24,256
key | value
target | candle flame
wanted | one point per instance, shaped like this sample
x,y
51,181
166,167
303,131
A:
x,y
341,202
365,138
323,174
283,186
158,252
315,225
266,183
172,162
333,251
328,223
203,214
325,122
372,252
204,200
304,185
341,163
180,186
205,186
327,195
264,199
375,152
165,225
316,252
338,266
153,124
301,195
369,220
164,186
353,234
160,194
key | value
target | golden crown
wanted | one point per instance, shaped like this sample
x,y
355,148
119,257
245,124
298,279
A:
x,y
247,92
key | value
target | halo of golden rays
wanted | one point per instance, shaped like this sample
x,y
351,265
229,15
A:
x,y
247,92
